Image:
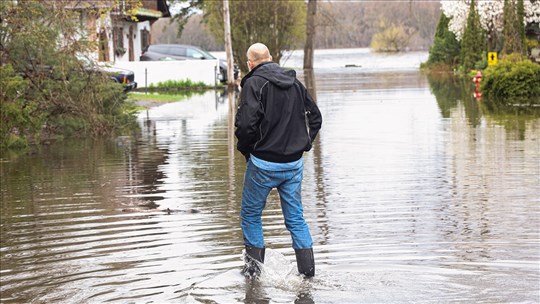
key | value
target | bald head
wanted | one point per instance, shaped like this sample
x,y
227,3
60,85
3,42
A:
x,y
257,54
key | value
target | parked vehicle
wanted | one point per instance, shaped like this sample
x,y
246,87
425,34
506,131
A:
x,y
125,77
156,52
122,76
118,75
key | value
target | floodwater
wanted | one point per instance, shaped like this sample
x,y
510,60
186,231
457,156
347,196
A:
x,y
414,192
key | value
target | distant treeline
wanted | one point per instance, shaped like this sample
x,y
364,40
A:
x,y
340,24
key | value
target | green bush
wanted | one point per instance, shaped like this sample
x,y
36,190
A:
x,y
473,43
16,113
47,92
446,49
513,76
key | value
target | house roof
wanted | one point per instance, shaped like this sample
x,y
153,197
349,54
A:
x,y
164,8
148,10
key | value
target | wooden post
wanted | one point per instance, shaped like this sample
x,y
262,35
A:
x,y
228,44
308,48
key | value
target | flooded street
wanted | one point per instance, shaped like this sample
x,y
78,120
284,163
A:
x,y
414,192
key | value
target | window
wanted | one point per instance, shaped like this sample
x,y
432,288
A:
x,y
178,51
158,49
118,40
191,53
145,38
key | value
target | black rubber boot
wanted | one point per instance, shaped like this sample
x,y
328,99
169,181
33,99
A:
x,y
305,261
251,268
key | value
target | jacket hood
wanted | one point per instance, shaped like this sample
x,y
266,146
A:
x,y
272,72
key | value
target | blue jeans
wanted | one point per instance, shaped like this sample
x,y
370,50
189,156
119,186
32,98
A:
x,y
257,186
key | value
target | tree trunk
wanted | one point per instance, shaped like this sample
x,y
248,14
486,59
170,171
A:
x,y
310,34
228,44
308,48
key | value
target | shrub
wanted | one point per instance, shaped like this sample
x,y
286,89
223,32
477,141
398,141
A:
x,y
16,113
473,42
513,76
446,49
47,92
391,39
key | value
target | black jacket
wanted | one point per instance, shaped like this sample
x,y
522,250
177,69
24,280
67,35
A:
x,y
277,119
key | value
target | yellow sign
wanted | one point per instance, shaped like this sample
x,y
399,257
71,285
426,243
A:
x,y
492,58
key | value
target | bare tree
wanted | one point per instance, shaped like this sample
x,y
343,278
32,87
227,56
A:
x,y
354,23
339,24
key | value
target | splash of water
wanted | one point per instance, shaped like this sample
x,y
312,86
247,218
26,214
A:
x,y
277,271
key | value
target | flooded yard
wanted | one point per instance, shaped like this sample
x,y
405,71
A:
x,y
414,192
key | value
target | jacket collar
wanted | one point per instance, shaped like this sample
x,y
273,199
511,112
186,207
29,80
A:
x,y
253,71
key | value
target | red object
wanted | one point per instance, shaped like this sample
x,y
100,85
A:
x,y
478,77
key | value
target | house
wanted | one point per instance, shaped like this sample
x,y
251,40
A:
x,y
121,27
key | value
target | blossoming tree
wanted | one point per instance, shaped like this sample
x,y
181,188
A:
x,y
490,12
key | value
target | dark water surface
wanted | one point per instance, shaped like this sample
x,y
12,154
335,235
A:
x,y
414,192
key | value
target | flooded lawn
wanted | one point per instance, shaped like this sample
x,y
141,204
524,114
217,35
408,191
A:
x,y
414,192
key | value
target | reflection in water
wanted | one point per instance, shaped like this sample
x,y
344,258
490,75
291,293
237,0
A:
x,y
412,195
451,92
447,91
515,119
231,147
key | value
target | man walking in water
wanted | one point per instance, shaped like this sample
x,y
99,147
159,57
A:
x,y
277,121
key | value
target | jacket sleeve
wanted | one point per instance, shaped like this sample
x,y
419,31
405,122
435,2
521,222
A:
x,y
248,117
314,116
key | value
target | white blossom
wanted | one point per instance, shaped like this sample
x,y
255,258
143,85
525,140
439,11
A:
x,y
532,11
491,15
489,11
457,11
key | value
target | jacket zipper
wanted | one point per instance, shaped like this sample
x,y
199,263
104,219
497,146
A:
x,y
260,126
306,119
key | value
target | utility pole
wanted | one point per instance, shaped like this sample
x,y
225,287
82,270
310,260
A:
x,y
228,45
309,74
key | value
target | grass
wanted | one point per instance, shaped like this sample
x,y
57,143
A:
x,y
163,97
179,85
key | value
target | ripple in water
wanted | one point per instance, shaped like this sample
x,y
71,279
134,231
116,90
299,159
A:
x,y
409,197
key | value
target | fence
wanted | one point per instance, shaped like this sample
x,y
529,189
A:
x,y
153,72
